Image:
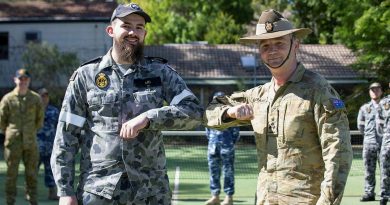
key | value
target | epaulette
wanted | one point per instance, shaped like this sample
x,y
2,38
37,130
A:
x,y
98,59
156,59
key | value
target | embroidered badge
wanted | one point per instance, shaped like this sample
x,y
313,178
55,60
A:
x,y
337,103
101,80
269,27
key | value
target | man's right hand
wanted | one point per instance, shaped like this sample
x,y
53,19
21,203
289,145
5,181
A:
x,y
68,200
241,112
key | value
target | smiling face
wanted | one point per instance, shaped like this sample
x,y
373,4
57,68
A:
x,y
128,35
273,52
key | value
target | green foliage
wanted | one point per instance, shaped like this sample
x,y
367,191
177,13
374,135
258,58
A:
x,y
184,21
50,67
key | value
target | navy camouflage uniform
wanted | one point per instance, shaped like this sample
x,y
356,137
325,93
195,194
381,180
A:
x,y
221,153
45,142
385,150
100,97
369,127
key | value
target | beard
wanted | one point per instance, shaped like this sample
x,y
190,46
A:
x,y
130,53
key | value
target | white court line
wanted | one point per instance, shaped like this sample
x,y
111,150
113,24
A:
x,y
175,195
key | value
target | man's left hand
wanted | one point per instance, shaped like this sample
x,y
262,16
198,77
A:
x,y
131,128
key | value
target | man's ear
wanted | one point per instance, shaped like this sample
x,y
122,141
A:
x,y
110,30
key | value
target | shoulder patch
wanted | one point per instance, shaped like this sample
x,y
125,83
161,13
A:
x,y
98,59
156,59
73,76
337,103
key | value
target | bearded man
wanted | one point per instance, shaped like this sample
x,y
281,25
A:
x,y
117,100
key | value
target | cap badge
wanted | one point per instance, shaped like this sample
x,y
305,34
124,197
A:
x,y
101,80
269,27
135,6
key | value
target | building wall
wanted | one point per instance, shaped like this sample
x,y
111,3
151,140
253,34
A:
x,y
87,39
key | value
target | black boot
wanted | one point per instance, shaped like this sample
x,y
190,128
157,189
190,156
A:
x,y
367,197
383,202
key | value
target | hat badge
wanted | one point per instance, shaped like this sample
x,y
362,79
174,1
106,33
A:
x,y
269,27
101,80
135,6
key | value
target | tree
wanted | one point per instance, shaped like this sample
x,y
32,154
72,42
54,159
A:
x,y
184,21
50,67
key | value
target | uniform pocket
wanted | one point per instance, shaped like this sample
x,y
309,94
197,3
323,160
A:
x,y
104,108
296,118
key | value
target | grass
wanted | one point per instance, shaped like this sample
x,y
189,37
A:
x,y
194,182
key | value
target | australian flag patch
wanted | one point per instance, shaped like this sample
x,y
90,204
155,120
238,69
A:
x,y
337,103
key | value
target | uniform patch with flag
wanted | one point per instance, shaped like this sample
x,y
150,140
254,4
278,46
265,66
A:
x,y
337,103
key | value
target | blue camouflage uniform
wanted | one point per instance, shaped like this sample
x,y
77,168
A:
x,y
45,142
221,153
100,97
385,150
368,125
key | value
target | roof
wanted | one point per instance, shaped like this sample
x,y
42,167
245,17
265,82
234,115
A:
x,y
66,10
224,61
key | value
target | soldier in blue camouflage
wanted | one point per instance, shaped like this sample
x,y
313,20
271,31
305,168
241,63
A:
x,y
113,110
385,150
301,127
221,154
21,116
368,125
45,141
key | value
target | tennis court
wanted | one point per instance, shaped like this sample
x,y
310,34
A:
x,y
188,173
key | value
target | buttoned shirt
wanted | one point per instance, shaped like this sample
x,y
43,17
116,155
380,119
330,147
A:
x,y
302,138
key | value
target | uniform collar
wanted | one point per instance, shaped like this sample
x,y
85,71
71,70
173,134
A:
x,y
108,62
298,73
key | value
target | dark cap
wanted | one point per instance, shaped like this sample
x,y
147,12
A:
x,y
375,85
132,8
22,73
43,91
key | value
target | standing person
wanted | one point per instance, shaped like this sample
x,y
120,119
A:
x,y
300,124
21,115
221,153
45,141
118,100
368,125
385,151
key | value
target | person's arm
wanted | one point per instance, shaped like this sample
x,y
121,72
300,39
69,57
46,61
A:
x,y
334,136
361,120
184,110
40,114
227,111
66,143
4,114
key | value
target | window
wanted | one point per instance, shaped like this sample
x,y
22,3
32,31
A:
x,y
33,36
4,45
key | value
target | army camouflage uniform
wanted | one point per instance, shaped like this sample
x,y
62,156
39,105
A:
x,y
20,119
98,100
385,150
369,127
45,142
302,139
221,153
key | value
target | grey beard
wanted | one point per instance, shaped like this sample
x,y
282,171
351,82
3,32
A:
x,y
131,54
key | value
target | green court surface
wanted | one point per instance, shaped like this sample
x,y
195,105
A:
x,y
192,180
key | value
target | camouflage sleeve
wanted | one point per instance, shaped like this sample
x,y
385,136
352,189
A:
x,y
4,113
40,114
361,120
333,131
235,133
214,113
66,143
184,110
